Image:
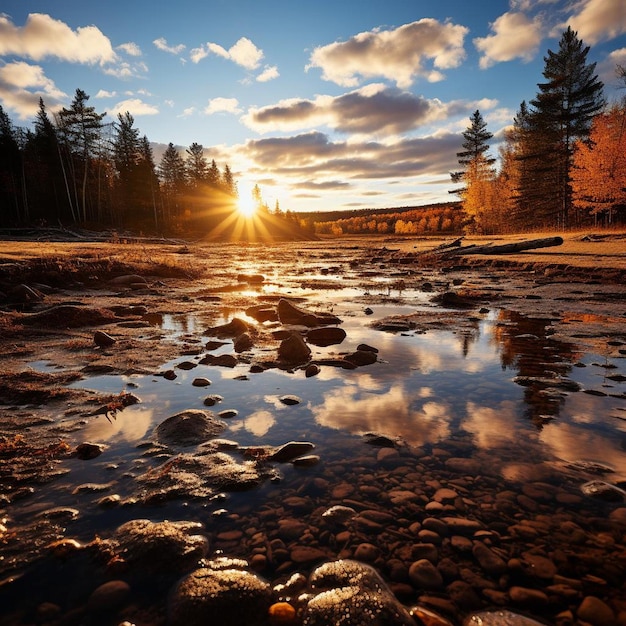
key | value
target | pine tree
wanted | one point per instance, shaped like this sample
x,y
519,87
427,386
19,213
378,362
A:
x,y
80,129
172,174
10,167
562,113
126,156
475,145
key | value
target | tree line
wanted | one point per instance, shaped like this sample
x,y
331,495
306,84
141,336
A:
x,y
77,169
563,161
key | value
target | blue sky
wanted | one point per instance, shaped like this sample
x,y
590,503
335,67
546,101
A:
x,y
325,105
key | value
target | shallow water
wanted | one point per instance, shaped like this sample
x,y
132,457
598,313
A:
x,y
498,387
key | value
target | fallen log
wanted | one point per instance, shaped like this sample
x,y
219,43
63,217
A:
x,y
507,248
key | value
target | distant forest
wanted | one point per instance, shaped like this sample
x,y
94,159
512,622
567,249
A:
x,y
562,164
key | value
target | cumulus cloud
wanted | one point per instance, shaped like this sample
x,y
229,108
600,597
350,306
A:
x,y
222,105
103,93
269,73
43,37
314,157
371,109
419,49
134,106
161,44
599,20
132,49
607,69
243,53
515,35
22,85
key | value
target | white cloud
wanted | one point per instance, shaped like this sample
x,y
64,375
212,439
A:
x,y
134,106
103,93
607,69
269,73
599,20
43,37
419,49
188,112
243,53
132,49
370,109
222,105
161,44
515,36
21,86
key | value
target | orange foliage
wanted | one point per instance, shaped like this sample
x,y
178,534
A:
x,y
599,173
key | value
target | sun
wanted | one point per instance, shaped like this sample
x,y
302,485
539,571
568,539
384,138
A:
x,y
246,206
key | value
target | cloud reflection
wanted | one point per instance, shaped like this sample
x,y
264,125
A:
x,y
130,425
393,413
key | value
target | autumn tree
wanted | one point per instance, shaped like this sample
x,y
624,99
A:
x,y
599,166
563,111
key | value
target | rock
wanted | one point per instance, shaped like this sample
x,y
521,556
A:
x,y
291,450
500,618
381,441
289,313
160,547
69,316
488,560
349,593
24,294
603,491
212,400
308,460
232,329
290,400
228,413
293,350
243,342
186,365
128,280
338,514
424,575
189,428
102,339
326,336
222,360
595,611
443,494
366,553
361,357
87,451
532,598
312,370
108,596
306,555
461,525
201,382
363,347
199,476
262,313
228,595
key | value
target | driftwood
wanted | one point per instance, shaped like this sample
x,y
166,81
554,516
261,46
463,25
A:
x,y
506,248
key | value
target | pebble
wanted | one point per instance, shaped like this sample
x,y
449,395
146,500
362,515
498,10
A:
x,y
201,382
108,596
424,575
489,561
595,611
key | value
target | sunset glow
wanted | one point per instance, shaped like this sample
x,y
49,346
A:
x,y
326,105
246,206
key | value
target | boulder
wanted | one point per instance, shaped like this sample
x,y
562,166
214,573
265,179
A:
x,y
189,428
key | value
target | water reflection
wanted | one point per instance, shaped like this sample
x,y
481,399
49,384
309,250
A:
x,y
130,425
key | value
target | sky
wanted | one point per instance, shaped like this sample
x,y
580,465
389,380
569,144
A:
x,y
325,105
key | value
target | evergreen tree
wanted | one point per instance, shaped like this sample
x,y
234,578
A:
x,y
172,174
214,178
126,157
10,167
229,185
475,144
197,167
149,181
80,129
562,113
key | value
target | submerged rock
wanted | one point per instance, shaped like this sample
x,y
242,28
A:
x,y
232,329
189,428
327,336
500,618
160,547
289,313
347,593
224,593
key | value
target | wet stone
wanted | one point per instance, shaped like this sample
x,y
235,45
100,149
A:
x,y
229,596
500,618
290,400
595,611
424,575
87,450
189,427
489,561
201,382
108,596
